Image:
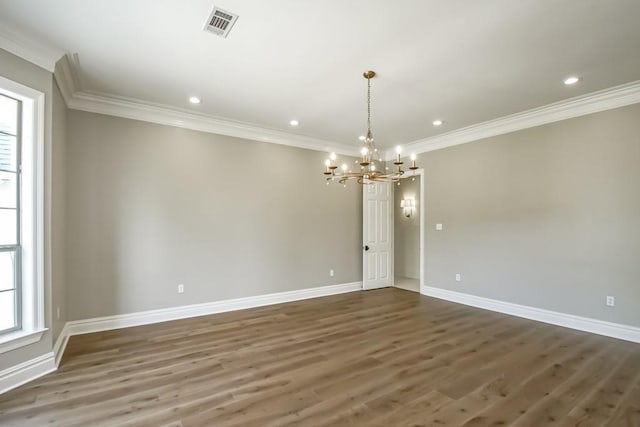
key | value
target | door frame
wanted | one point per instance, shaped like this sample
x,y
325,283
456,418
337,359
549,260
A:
x,y
421,208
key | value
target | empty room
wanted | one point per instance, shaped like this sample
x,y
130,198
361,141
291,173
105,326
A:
x,y
319,213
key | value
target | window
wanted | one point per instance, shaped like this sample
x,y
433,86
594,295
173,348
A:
x,y
21,215
10,289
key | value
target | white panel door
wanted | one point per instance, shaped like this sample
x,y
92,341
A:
x,y
377,235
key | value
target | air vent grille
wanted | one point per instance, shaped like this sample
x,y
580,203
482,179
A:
x,y
220,22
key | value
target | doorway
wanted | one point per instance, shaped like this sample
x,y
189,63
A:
x,y
408,232
391,210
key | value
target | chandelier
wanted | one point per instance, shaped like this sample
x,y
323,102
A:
x,y
370,167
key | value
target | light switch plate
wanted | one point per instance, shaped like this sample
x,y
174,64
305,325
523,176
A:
x,y
439,227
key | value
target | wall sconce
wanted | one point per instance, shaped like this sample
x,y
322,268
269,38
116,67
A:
x,y
407,205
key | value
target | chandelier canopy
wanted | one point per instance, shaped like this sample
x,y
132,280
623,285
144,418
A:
x,y
370,168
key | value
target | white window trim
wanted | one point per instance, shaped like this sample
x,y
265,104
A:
x,y
33,313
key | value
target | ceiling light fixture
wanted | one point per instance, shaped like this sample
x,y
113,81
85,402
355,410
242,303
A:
x,y
294,123
438,122
571,80
372,168
194,100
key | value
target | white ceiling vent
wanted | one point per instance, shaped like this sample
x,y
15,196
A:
x,y
220,22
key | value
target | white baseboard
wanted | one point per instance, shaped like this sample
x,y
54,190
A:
x,y
61,344
20,374
600,327
27,371
98,324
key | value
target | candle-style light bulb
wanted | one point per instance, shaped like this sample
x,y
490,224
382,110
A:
x,y
398,151
327,163
413,160
344,167
332,156
365,152
413,156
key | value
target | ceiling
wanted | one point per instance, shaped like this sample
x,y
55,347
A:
x,y
461,61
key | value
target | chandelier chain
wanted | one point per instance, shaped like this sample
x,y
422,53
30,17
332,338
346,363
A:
x,y
368,105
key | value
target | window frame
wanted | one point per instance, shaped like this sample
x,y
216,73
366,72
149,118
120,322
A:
x,y
32,220
16,248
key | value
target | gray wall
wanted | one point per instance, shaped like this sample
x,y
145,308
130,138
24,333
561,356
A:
x,y
30,75
547,217
151,206
407,230
58,212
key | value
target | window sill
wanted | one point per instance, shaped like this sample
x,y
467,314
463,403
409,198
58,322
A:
x,y
17,339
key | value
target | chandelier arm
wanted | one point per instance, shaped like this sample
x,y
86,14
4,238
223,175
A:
x,y
372,176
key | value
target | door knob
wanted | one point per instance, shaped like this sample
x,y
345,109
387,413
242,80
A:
x,y
366,248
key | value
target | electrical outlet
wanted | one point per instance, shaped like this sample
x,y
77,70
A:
x,y
438,227
611,301
458,277
180,288
331,273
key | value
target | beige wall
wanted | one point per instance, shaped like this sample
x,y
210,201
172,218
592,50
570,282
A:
x,y
58,212
407,230
547,217
28,74
152,206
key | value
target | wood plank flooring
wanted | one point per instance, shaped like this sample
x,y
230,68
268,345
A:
x,y
378,358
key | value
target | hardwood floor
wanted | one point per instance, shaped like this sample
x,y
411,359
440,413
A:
x,y
377,358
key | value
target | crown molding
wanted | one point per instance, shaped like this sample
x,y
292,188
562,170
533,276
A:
x,y
161,114
66,76
608,99
164,115
36,53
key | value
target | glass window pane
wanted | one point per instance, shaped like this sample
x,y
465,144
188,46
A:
x,y
8,115
7,310
8,227
8,152
7,270
8,189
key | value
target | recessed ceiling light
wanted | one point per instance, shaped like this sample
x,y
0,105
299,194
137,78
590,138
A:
x,y
571,80
194,100
438,122
294,123
361,137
